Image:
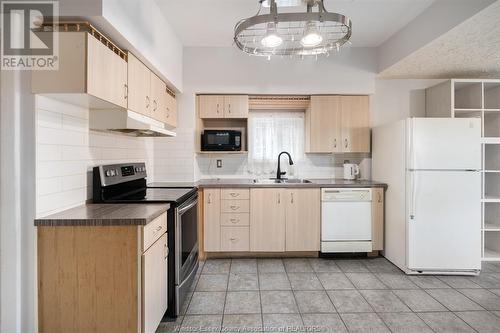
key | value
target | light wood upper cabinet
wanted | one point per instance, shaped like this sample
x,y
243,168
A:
x,y
355,124
170,115
106,73
86,66
378,219
336,124
323,134
223,106
139,86
158,101
211,106
211,219
302,219
236,106
267,220
154,286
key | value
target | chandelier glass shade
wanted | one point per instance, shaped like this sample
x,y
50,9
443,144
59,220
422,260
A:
x,y
309,33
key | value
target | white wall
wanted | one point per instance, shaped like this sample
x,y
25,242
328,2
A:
x,y
145,32
228,70
67,151
399,99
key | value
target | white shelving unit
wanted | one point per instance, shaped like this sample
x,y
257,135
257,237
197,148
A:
x,y
464,98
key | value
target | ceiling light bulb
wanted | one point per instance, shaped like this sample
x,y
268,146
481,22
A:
x,y
311,37
271,39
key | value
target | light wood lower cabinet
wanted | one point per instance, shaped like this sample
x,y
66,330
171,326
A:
x,y
211,219
378,219
235,239
101,278
302,218
267,220
154,286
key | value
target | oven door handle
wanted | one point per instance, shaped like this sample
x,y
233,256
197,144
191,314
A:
x,y
188,207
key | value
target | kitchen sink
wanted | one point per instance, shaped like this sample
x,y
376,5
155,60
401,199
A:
x,y
281,181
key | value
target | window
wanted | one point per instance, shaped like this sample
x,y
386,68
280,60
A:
x,y
271,132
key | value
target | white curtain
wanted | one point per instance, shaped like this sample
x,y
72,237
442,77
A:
x,y
271,132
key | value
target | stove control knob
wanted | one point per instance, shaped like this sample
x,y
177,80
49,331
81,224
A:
x,y
115,172
136,169
108,173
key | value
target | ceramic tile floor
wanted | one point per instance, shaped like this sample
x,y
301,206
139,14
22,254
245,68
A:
x,y
324,295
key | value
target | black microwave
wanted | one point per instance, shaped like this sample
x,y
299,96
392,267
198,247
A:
x,y
221,140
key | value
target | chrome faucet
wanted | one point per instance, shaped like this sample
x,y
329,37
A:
x,y
290,161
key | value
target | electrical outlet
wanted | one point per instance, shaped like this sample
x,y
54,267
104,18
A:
x,y
219,163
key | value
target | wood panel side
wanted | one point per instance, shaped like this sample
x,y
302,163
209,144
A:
x,y
378,219
87,279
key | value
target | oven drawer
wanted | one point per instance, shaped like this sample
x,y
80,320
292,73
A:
x,y
232,219
235,239
153,230
235,193
235,206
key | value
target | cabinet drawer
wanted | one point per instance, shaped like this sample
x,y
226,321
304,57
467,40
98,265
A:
x,y
153,230
239,219
235,239
235,206
235,193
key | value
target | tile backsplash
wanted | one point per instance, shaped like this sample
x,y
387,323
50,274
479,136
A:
x,y
310,166
67,150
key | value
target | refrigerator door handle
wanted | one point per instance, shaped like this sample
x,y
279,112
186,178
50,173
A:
x,y
413,184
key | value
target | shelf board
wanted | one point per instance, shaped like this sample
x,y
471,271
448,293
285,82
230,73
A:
x,y
468,110
490,254
491,140
491,171
491,110
488,226
222,152
490,198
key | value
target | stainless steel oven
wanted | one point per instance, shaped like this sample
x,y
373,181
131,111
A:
x,y
186,248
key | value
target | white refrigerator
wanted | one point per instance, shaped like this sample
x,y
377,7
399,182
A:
x,y
433,202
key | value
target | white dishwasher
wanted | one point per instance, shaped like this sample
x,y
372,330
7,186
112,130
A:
x,y
346,220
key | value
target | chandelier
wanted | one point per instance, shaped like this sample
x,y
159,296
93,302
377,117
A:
x,y
311,33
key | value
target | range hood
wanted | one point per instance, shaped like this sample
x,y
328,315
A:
x,y
127,122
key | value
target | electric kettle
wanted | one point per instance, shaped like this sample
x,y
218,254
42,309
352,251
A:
x,y
351,171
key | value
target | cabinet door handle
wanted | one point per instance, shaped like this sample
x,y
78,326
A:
x,y
234,220
209,198
165,250
235,207
233,194
125,91
291,197
168,112
217,107
334,143
155,105
279,198
147,101
229,108
233,239
346,143
379,197
158,229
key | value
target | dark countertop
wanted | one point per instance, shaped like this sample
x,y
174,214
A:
x,y
105,215
315,183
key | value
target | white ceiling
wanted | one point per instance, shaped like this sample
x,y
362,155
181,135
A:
x,y
471,49
210,23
